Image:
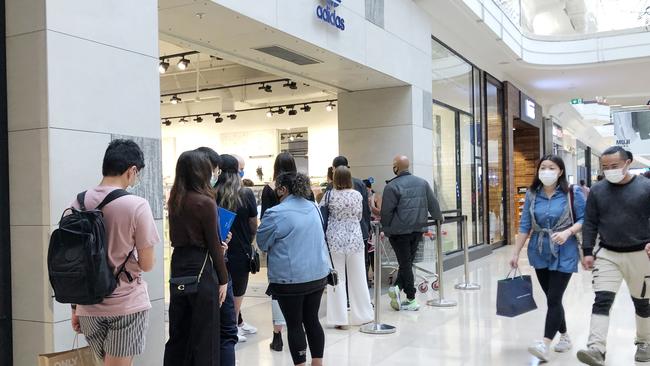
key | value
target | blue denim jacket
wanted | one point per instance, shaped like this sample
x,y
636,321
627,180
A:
x,y
292,235
547,213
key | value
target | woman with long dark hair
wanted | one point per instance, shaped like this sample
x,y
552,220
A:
x,y
284,163
199,277
298,264
552,216
233,196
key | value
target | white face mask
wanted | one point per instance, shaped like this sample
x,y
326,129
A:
x,y
548,177
614,175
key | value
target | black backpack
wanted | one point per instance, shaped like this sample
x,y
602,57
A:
x,y
77,258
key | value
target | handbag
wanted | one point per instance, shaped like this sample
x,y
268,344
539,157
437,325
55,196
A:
x,y
515,295
333,275
186,285
254,260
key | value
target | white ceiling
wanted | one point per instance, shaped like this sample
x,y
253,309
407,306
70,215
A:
x,y
623,83
227,34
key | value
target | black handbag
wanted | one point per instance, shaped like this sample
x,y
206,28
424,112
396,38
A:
x,y
333,275
186,285
254,260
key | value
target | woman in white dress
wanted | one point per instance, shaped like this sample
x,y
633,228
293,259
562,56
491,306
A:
x,y
346,244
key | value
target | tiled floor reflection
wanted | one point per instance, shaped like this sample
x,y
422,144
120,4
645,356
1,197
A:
x,y
469,334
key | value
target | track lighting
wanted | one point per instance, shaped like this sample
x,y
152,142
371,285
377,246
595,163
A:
x,y
183,63
306,108
292,138
292,112
218,120
267,88
198,119
167,122
291,85
232,116
299,135
182,120
330,107
269,114
175,100
163,66
280,110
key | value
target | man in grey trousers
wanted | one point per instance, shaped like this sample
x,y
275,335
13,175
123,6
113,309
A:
x,y
618,210
407,203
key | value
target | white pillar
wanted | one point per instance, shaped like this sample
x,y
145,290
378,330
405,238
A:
x,y
79,73
376,125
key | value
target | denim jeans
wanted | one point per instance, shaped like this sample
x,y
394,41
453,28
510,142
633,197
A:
x,y
228,329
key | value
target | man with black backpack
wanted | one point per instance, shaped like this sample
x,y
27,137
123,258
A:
x,y
114,326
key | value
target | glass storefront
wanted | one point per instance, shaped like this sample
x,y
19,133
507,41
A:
x,y
459,102
495,160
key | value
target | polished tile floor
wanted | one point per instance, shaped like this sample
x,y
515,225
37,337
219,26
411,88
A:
x,y
469,334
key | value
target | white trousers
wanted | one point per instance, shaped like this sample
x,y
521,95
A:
x,y
360,307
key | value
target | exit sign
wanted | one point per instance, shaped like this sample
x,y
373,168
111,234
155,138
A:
x,y
576,101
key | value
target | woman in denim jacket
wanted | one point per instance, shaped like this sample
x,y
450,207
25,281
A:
x,y
298,263
551,218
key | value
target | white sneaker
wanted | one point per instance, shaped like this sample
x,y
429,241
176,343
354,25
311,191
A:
x,y
539,350
564,345
246,328
395,300
240,337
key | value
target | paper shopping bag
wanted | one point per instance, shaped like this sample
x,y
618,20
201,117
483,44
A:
x,y
515,296
76,357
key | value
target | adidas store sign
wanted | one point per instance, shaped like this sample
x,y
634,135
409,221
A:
x,y
328,14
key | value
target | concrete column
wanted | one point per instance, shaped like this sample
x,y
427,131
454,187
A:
x,y
80,73
375,125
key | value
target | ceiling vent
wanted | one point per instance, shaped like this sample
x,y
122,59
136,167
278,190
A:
x,y
288,55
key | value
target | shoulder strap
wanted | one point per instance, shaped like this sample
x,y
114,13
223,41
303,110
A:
x,y
572,206
112,197
324,233
81,199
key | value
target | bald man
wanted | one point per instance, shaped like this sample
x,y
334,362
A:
x,y
242,164
407,203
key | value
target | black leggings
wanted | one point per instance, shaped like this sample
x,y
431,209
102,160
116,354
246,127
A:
x,y
554,284
299,311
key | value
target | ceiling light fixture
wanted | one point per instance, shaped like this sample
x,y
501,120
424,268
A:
x,y
183,63
299,135
163,66
292,138
198,119
292,111
280,110
232,116
182,120
269,114
175,100
167,122
267,88
291,85
330,107
306,108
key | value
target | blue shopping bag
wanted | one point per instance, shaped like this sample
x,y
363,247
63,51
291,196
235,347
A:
x,y
515,295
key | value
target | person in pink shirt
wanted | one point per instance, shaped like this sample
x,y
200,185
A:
x,y
115,328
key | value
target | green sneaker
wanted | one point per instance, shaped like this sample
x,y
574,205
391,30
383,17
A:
x,y
393,293
410,305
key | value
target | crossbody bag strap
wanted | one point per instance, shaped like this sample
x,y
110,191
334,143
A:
x,y
571,204
207,254
326,243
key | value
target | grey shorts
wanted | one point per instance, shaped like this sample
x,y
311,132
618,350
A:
x,y
117,336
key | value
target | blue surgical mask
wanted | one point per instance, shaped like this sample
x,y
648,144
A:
x,y
241,173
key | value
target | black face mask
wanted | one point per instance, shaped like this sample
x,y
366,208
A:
x,y
395,170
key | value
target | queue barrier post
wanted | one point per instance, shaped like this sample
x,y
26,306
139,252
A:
x,y
377,327
440,302
467,285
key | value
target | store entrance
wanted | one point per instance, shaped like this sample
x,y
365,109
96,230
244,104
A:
x,y
526,141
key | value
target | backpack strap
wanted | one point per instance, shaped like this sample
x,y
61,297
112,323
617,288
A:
x,y
81,199
112,197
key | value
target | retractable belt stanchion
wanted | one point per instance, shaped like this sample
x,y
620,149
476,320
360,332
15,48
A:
x,y
376,327
466,285
440,302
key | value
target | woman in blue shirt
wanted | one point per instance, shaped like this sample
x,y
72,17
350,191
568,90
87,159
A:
x,y
298,263
551,218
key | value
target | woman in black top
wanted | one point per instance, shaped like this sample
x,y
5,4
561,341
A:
x,y
233,196
194,317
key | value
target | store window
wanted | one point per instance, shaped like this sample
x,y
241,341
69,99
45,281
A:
x,y
452,78
495,160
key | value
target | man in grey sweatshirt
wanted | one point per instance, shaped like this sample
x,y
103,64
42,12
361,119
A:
x,y
618,210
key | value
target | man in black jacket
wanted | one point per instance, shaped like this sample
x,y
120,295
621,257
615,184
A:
x,y
406,205
618,210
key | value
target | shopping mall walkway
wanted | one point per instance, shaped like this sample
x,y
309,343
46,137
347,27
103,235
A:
x,y
469,334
